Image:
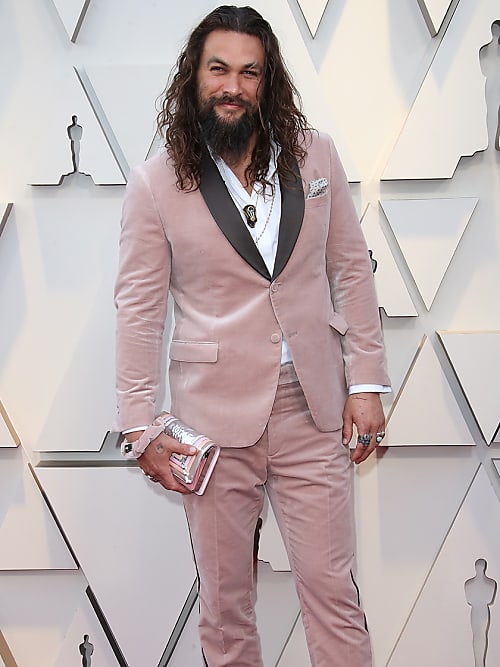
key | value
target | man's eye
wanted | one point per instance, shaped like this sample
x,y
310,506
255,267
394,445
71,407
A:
x,y
250,72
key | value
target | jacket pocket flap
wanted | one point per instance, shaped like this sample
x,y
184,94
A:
x,y
188,350
338,323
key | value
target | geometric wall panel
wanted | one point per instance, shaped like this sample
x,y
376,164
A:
x,y
277,607
475,357
271,547
187,650
70,125
67,331
4,214
88,420
131,540
136,89
428,232
72,13
392,293
6,657
29,536
473,535
426,399
401,344
8,435
295,653
85,624
393,565
307,77
62,322
11,462
435,135
434,12
36,610
313,11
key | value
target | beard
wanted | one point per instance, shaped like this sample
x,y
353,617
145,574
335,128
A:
x,y
227,137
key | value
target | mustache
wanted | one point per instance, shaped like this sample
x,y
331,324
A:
x,y
213,101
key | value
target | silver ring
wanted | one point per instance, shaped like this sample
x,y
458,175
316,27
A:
x,y
380,436
365,439
153,478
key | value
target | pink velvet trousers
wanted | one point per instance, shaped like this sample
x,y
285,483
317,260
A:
x,y
308,480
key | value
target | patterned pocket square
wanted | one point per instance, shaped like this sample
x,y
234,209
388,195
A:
x,y
317,188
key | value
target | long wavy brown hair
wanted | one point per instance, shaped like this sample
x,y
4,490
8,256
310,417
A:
x,y
280,106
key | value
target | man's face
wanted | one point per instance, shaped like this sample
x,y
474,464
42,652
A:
x,y
229,80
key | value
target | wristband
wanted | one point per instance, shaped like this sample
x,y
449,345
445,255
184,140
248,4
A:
x,y
132,450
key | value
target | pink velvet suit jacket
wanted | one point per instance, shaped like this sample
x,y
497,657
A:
x,y
230,314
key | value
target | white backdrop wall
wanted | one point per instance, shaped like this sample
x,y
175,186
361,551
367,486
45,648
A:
x,y
94,561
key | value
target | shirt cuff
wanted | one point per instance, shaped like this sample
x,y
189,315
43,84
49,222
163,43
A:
x,y
376,388
137,428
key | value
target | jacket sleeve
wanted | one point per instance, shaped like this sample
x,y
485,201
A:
x,y
352,286
141,298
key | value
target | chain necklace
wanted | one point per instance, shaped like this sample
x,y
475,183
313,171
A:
x,y
257,238
249,210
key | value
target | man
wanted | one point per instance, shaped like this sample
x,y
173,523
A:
x,y
248,221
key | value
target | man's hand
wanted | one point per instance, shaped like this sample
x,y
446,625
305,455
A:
x,y
154,460
365,411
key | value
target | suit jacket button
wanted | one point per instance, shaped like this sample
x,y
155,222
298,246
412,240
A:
x,y
275,338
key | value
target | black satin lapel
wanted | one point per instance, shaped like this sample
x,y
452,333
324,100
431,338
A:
x,y
227,217
292,214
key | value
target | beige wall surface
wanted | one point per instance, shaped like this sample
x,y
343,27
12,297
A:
x,y
94,561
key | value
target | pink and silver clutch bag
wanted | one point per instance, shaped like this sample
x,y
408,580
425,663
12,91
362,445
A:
x,y
193,471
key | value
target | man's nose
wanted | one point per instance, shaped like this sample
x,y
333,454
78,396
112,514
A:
x,y
232,84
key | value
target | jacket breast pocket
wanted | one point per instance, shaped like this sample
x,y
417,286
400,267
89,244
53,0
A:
x,y
314,202
194,351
